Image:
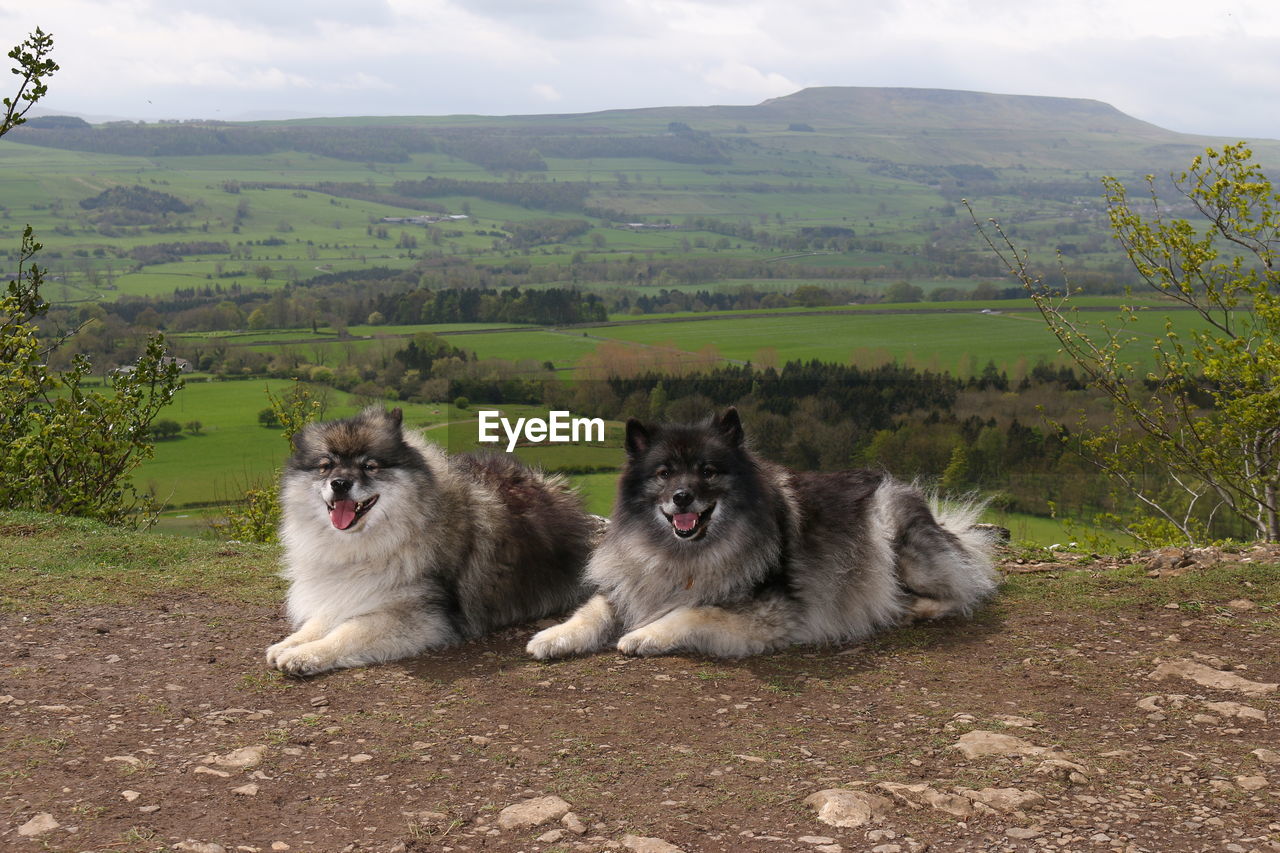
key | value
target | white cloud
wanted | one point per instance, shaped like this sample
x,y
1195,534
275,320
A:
x,y
546,92
1187,66
739,78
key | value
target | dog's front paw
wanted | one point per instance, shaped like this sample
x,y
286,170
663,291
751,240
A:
x,y
558,641
306,659
648,640
274,651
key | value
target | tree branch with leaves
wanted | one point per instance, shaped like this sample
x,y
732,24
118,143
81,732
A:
x,y
1198,433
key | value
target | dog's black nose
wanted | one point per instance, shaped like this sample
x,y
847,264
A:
x,y
682,498
340,487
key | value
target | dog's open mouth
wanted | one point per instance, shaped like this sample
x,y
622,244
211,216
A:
x,y
688,525
345,513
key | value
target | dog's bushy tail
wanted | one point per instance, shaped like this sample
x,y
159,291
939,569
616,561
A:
x,y
975,564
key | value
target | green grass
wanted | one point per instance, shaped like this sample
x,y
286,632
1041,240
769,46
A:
x,y
73,562
952,342
1202,591
233,451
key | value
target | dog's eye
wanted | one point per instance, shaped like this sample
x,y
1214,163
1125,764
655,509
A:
x,y
662,473
324,464
370,465
708,471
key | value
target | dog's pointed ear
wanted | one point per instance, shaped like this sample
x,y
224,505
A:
x,y
730,426
396,416
637,438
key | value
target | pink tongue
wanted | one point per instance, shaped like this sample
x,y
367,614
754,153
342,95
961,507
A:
x,y
343,514
685,520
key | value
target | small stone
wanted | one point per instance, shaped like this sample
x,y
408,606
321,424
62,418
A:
x,y
279,845
534,812
977,744
38,825
192,846
643,844
829,848
427,818
148,809
250,790
816,839
1209,677
571,822
1266,756
1022,833
319,701
921,795
1005,799
1241,604
1235,709
1252,783
551,836
852,809
480,740
1062,768
239,759
211,772
130,796
360,758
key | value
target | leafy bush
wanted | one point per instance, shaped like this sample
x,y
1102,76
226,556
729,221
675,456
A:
x,y
256,516
69,450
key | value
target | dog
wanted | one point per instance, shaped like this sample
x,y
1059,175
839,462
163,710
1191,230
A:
x,y
392,547
712,550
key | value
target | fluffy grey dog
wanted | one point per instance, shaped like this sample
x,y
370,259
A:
x,y
392,547
713,550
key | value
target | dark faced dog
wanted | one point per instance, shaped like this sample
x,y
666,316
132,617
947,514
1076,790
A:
x,y
714,550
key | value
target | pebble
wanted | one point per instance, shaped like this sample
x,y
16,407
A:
x,y
1209,677
38,825
643,844
210,771
130,796
533,812
1022,833
816,839
250,790
192,846
845,808
239,759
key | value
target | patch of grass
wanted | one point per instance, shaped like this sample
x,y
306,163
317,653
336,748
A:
x,y
1196,591
50,560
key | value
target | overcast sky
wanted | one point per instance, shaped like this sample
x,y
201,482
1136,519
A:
x,y
1207,67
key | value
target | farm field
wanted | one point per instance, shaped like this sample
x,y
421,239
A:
x,y
194,473
956,337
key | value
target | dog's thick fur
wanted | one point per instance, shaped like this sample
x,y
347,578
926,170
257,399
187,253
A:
x,y
392,547
712,550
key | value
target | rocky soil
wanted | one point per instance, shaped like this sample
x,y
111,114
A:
x,y
158,727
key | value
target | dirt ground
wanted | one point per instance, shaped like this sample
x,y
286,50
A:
x,y
158,727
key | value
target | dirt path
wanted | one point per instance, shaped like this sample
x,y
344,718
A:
x,y
157,727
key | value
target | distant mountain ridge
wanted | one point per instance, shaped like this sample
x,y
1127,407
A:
x,y
908,126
